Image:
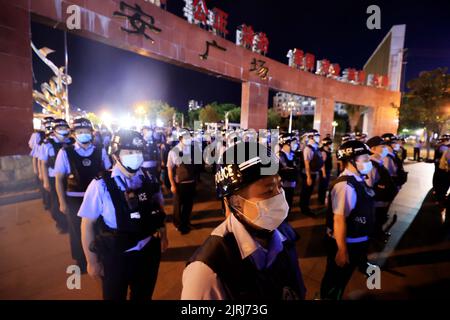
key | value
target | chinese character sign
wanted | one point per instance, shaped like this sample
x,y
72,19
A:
x,y
247,38
215,20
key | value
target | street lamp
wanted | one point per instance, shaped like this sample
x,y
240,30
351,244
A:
x,y
334,124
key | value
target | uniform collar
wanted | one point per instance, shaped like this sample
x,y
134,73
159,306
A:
x,y
78,146
116,172
349,173
247,245
378,160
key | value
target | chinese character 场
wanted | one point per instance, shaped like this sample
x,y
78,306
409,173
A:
x,y
139,20
260,67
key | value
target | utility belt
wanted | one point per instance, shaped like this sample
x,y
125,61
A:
x,y
150,164
350,240
108,240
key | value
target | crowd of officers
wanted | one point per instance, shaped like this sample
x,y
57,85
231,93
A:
x,y
106,189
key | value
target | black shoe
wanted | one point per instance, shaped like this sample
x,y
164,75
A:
x,y
184,230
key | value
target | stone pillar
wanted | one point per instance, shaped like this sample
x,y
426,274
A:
x,y
254,107
16,102
384,120
324,116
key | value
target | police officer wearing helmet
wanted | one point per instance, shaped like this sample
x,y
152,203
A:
x,y
37,145
392,162
440,176
123,223
382,184
47,158
324,178
313,163
75,167
252,254
152,153
288,168
359,136
350,219
339,166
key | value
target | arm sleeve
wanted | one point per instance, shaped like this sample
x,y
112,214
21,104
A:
x,y
62,163
92,206
105,159
343,198
201,283
308,154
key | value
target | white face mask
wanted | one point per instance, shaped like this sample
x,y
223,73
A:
x,y
63,133
317,139
294,147
84,138
396,147
364,167
148,136
269,213
187,142
132,162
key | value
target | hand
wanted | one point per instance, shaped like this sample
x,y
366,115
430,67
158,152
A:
x,y
162,235
173,189
342,258
95,269
46,186
63,207
309,181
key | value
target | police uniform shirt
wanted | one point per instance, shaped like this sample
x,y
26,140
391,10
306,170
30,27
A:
x,y
201,283
97,201
373,177
62,165
390,165
343,195
308,153
174,159
47,151
33,142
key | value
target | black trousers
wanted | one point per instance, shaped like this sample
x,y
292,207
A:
x,y
289,194
381,217
182,204
73,205
59,217
336,278
323,187
45,195
441,183
306,193
137,270
416,154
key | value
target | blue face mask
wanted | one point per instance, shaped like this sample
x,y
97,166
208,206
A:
x,y
384,152
84,137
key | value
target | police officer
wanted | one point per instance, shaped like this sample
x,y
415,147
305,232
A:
x,y
38,143
382,184
251,255
313,163
76,166
182,174
47,157
123,223
440,176
152,153
349,220
392,162
324,178
287,170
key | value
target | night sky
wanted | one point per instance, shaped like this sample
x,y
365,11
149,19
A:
x,y
108,78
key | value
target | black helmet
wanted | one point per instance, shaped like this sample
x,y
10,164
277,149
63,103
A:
x,y
360,135
347,137
286,138
82,123
48,123
126,139
327,141
389,138
240,165
60,123
351,149
375,141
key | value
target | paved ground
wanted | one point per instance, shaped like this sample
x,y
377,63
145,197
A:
x,y
416,261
